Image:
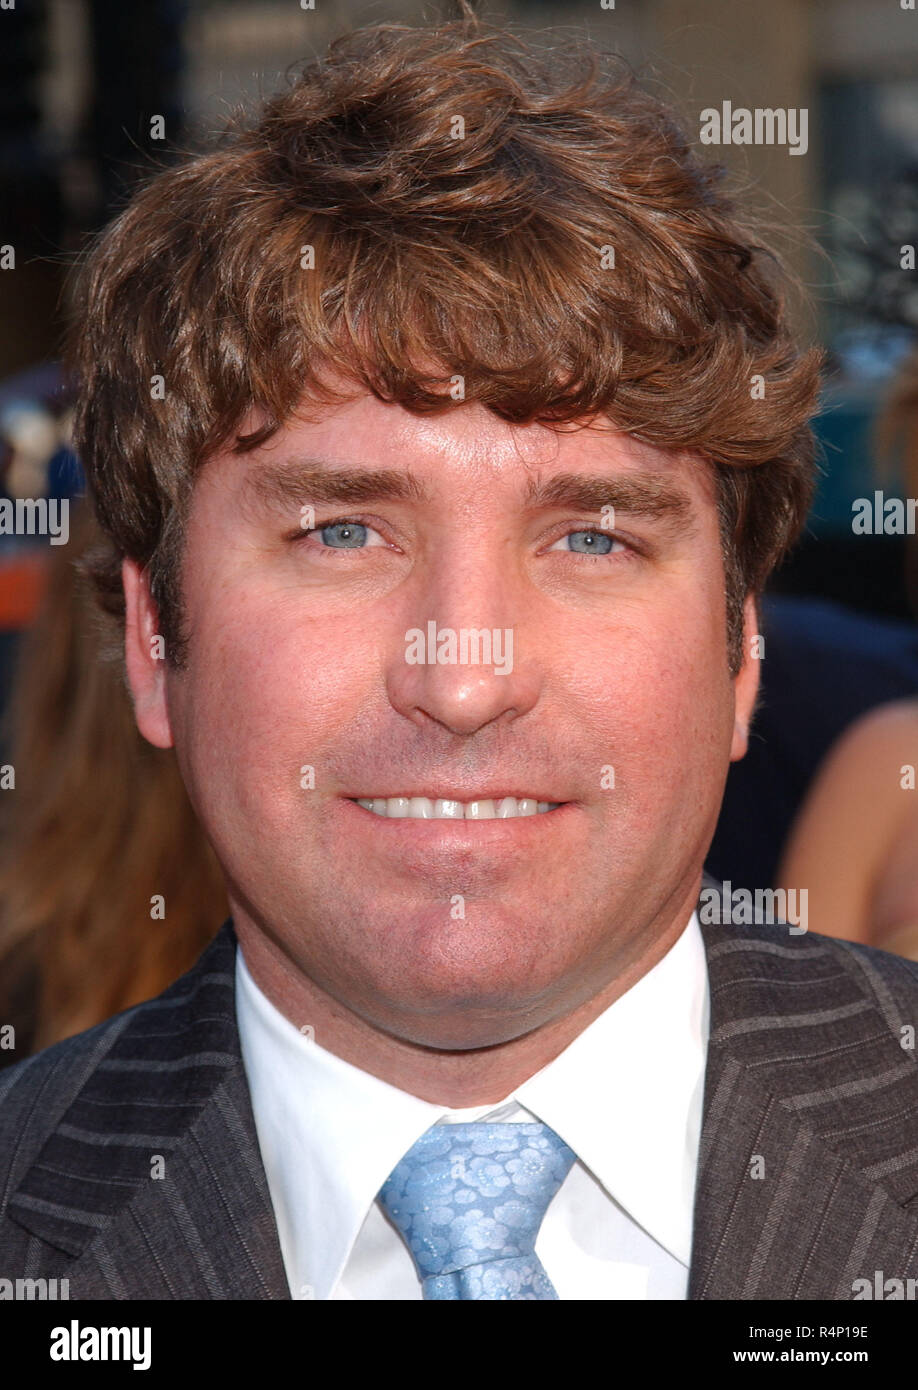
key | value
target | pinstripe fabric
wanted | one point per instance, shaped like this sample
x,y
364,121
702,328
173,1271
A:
x,y
129,1162
807,1083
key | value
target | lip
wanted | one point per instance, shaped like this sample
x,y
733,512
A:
x,y
461,831
476,794
482,854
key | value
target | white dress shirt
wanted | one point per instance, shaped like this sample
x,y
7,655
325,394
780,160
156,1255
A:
x,y
625,1095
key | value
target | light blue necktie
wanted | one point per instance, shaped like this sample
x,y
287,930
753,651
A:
x,y
469,1200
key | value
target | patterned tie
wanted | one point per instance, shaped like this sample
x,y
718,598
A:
x,y
469,1200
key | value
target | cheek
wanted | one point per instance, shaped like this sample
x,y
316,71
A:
x,y
262,697
658,699
254,654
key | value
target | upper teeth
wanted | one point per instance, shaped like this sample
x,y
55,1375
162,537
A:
x,y
423,808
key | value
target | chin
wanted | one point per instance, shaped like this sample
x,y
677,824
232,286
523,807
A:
x,y
462,1008
462,1028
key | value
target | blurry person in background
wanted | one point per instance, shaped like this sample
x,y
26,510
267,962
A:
x,y
854,842
108,888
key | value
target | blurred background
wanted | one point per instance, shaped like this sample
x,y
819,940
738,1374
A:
x,y
81,85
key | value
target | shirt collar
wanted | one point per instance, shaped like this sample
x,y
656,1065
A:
x,y
625,1095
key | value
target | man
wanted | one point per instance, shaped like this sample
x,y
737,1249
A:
x,y
445,424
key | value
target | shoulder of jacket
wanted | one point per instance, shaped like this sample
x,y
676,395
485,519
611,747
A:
x,y
891,980
37,1091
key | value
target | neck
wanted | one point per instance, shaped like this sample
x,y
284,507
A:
x,y
456,1077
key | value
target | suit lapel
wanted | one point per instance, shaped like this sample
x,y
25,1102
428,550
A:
x,y
177,1205
209,1234
807,1162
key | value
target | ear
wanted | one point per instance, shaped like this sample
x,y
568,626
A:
x,y
746,682
144,655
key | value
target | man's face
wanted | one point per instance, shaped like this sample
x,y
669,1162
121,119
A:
x,y
614,701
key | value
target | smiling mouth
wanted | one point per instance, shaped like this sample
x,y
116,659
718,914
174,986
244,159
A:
x,y
427,808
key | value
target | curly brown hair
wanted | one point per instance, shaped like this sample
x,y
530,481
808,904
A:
x,y
460,192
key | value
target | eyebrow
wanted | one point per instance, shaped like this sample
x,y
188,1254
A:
x,y
293,482
299,480
638,494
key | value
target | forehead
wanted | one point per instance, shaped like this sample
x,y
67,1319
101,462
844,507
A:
x,y
465,451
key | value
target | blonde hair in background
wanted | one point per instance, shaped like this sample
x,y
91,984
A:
x,y
98,828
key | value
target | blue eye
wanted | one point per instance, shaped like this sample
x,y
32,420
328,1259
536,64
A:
x,y
344,535
589,542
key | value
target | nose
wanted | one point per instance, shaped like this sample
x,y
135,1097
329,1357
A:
x,y
464,657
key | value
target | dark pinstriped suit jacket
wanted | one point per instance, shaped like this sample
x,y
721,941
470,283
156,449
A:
x,y
805,1069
